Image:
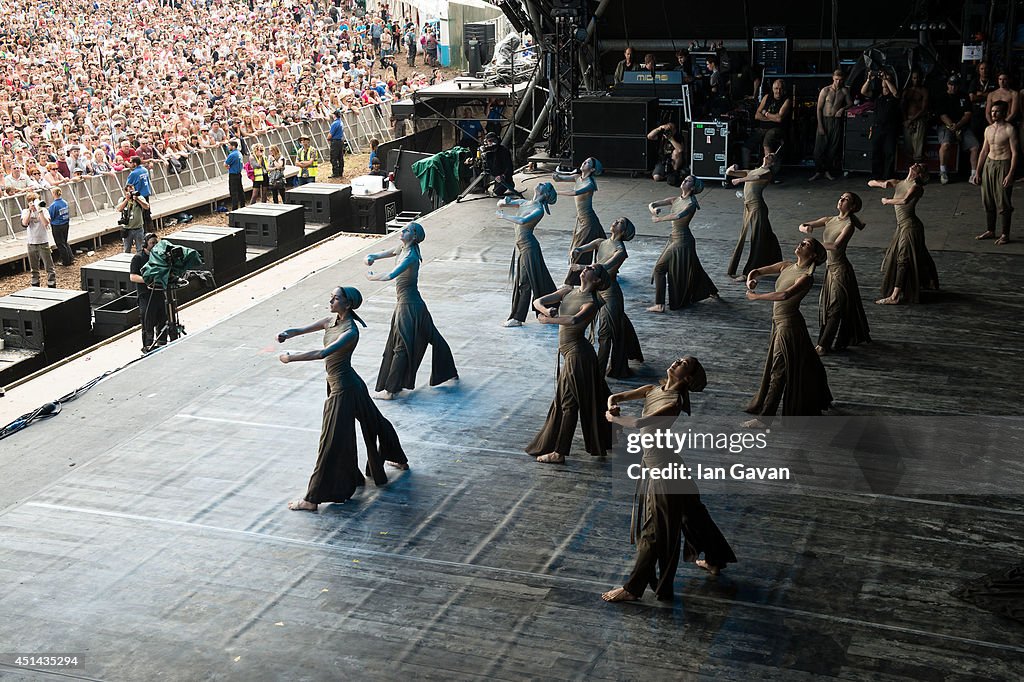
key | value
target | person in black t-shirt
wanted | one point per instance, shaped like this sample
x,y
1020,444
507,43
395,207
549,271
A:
x,y
152,305
954,131
880,86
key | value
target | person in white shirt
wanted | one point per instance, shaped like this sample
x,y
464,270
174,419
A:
x,y
36,220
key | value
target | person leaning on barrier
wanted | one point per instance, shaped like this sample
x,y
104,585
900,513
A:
x,y
133,207
670,154
60,224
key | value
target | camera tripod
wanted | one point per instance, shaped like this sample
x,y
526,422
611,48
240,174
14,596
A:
x,y
172,328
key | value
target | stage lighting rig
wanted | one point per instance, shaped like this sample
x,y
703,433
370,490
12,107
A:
x,y
570,9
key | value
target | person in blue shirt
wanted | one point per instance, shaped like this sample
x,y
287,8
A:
x,y
60,224
374,143
139,179
471,132
234,165
336,136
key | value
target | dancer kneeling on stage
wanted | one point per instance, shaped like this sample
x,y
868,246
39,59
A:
x,y
581,390
671,508
336,475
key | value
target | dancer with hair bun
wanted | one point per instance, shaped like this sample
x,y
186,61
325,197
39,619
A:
x,y
412,327
336,474
588,226
793,373
528,270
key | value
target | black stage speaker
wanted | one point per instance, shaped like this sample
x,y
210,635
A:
x,y
221,248
857,144
116,316
371,212
323,202
107,279
619,116
615,153
709,149
270,225
55,321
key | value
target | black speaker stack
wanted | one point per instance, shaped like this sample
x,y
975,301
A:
x,y
614,131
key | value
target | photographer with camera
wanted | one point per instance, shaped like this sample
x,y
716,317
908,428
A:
x,y
36,219
133,208
152,304
880,87
671,154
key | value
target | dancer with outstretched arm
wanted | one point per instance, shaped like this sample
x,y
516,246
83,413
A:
x,y
588,226
528,270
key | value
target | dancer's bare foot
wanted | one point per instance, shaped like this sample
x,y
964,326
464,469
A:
x,y
618,594
738,279
396,465
383,395
987,234
552,458
301,505
657,308
512,323
820,351
888,300
713,570
1003,239
754,424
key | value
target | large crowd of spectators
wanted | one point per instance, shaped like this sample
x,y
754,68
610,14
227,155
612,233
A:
x,y
89,84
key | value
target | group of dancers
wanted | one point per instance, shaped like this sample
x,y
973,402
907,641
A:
x,y
590,298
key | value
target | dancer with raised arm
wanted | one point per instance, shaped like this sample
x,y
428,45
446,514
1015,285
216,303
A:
x,y
412,327
530,273
670,508
793,373
580,391
336,474
907,267
840,311
678,265
588,226
617,342
764,245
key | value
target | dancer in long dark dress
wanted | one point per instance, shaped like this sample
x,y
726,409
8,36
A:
x,y
588,226
907,267
764,245
793,373
840,311
581,391
336,474
412,328
670,508
617,342
532,279
678,265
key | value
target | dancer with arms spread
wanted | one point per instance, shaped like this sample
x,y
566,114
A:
x,y
412,327
764,245
336,474
588,226
532,279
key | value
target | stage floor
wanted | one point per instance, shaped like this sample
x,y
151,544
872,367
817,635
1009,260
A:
x,y
145,528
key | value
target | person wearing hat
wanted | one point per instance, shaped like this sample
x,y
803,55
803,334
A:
x,y
336,136
672,517
336,474
581,390
233,163
954,131
679,266
412,328
308,161
617,342
497,163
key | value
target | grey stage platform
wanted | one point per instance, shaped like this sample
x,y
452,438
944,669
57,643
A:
x,y
145,528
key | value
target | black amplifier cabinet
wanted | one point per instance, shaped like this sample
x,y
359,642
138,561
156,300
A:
x,y
55,321
616,153
614,116
857,143
270,225
222,249
107,279
324,203
371,212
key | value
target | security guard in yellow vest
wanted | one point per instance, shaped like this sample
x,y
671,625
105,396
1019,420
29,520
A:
x,y
308,161
258,162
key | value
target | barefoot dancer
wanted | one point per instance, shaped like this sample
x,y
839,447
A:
x,y
670,508
840,311
764,245
678,263
581,390
996,167
793,373
336,475
588,226
907,266
617,342
532,279
412,328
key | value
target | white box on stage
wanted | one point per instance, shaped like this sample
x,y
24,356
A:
x,y
367,184
709,149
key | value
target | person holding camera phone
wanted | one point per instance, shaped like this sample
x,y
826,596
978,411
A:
x,y
36,220
880,86
133,207
671,154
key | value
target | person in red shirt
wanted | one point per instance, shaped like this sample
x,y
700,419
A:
x,y
125,153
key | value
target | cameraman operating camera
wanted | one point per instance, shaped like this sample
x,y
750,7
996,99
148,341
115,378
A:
x,y
671,151
132,207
